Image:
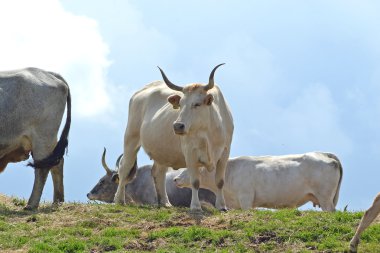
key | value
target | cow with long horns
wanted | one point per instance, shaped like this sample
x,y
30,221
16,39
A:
x,y
178,127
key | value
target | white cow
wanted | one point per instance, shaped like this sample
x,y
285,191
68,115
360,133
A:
x,y
368,218
277,181
188,126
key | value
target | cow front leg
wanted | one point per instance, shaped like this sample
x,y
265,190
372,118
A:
x,y
40,176
159,177
57,176
367,219
195,206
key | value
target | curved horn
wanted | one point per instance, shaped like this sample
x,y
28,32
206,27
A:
x,y
210,84
108,170
118,162
168,83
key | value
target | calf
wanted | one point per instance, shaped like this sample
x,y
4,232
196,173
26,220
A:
x,y
277,181
142,191
367,219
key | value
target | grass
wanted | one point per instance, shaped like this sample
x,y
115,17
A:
x,y
75,227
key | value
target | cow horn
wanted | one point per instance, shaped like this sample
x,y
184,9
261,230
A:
x,y
108,170
210,84
168,83
118,162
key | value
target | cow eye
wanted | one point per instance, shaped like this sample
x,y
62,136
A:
x,y
196,105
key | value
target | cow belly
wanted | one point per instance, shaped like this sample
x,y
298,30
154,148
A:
x,y
162,145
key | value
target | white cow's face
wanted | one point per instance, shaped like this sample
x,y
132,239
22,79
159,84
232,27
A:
x,y
183,179
194,109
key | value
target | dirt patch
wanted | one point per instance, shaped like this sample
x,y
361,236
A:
x,y
265,237
144,245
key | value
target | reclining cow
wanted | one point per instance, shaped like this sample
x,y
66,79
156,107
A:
x,y
368,218
202,135
141,189
32,103
277,181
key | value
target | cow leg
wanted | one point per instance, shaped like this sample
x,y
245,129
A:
x,y
195,205
159,177
219,181
41,148
326,203
131,147
367,219
40,176
57,176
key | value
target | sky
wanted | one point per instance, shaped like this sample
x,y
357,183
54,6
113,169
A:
x,y
300,76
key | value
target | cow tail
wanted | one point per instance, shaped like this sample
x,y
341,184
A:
x,y
59,151
336,197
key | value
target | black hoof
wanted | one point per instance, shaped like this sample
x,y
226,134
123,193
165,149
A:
x,y
29,208
224,210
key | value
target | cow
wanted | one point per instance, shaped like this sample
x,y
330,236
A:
x,y
277,181
368,218
32,104
141,189
178,127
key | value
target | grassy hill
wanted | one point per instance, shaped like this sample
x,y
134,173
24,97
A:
x,y
74,227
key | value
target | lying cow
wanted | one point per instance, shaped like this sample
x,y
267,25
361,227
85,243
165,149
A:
x,y
32,103
367,219
142,191
277,181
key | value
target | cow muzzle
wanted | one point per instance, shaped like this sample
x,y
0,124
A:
x,y
90,196
179,128
178,182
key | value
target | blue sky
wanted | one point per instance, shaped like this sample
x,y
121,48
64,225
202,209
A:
x,y
300,76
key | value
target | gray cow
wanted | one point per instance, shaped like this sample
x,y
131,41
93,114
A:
x,y
32,103
142,190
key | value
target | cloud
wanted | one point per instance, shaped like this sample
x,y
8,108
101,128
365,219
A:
x,y
42,34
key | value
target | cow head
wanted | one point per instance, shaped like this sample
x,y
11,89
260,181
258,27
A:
x,y
182,179
106,188
193,104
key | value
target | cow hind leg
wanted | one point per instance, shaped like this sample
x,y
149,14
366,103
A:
x,y
41,148
159,177
57,176
40,176
219,181
127,164
367,219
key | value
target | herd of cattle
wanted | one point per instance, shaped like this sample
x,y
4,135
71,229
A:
x,y
32,104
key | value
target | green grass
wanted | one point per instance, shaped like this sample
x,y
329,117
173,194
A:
x,y
74,227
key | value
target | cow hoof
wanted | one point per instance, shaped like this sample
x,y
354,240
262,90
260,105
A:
x,y
197,215
224,210
29,208
353,249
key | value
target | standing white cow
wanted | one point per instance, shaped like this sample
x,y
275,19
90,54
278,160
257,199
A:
x,y
277,181
32,103
368,218
203,127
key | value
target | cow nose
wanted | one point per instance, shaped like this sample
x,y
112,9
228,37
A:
x,y
88,195
179,128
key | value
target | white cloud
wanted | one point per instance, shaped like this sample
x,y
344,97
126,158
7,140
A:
x,y
42,34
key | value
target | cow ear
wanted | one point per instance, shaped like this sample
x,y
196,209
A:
x,y
115,178
208,99
174,100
